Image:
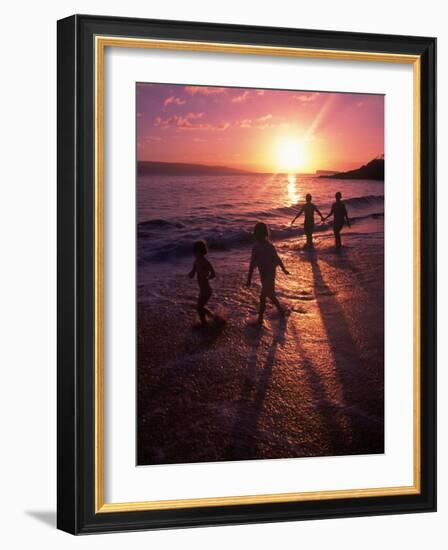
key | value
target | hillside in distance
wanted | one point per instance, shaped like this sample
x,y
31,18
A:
x,y
185,169
326,172
373,170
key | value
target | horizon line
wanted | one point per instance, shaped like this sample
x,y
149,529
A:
x,y
258,171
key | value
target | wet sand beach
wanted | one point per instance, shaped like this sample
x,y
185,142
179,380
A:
x,y
310,384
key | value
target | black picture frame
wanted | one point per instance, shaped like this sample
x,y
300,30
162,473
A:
x,y
76,286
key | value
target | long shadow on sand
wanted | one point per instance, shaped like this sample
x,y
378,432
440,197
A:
x,y
332,436
203,337
363,403
245,435
341,260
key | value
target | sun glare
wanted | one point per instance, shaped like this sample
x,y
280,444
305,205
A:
x,y
293,194
290,155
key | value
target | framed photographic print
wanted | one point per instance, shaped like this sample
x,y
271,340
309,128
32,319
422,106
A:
x,y
246,274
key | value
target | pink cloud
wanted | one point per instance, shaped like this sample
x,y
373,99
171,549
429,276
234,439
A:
x,y
175,100
260,122
242,97
307,98
247,95
188,122
204,90
244,123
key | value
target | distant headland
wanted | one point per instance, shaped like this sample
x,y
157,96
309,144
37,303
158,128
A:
x,y
373,170
185,169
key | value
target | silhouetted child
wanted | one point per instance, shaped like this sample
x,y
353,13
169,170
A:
x,y
204,271
308,225
340,216
265,257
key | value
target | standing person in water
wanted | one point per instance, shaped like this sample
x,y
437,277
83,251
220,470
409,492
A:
x,y
265,257
340,216
308,225
204,271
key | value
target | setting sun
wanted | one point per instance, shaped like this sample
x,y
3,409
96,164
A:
x,y
290,154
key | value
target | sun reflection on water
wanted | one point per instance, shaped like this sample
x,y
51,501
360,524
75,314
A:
x,y
293,194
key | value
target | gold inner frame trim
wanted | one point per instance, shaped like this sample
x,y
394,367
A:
x,y
101,42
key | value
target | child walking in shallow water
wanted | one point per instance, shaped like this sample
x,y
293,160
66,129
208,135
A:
x,y
204,271
265,257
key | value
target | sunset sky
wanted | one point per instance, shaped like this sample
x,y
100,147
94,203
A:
x,y
260,130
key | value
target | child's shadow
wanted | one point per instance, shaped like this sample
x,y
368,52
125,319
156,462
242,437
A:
x,y
246,433
204,336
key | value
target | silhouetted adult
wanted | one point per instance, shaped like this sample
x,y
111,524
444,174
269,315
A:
x,y
340,216
308,225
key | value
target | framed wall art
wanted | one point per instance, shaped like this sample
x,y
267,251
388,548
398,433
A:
x,y
246,274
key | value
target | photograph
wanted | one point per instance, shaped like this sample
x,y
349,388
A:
x,y
260,273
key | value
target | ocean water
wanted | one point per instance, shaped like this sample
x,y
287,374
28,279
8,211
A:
x,y
174,211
